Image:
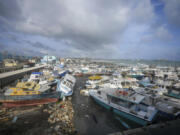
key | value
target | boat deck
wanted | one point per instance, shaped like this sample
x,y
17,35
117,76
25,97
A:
x,y
130,97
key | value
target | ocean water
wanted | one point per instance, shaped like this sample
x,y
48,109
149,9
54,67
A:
x,y
147,62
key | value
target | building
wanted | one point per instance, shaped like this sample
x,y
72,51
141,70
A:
x,y
10,63
49,59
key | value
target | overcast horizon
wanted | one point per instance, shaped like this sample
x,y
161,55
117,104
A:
x,y
116,29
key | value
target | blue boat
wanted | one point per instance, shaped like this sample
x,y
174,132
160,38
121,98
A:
x,y
60,73
127,105
38,73
63,73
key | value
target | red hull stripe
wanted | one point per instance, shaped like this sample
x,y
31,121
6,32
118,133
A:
x,y
29,102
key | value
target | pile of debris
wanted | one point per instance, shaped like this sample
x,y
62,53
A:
x,y
61,117
3,115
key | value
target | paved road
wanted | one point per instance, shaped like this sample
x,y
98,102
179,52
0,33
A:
x,y
7,74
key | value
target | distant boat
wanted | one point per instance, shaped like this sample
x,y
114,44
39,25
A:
x,y
146,83
67,84
79,74
173,93
137,75
61,73
126,104
114,83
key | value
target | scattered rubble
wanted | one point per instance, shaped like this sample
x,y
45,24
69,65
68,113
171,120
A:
x,y
61,117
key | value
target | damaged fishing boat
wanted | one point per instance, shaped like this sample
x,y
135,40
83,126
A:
x,y
125,103
67,84
42,79
29,94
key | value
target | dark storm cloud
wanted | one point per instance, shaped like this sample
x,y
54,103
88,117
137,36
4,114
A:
x,y
172,12
39,45
9,9
86,27
85,24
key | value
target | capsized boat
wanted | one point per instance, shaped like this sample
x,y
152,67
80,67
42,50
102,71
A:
x,y
125,103
67,84
28,95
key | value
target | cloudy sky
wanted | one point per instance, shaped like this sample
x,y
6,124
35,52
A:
x,y
148,29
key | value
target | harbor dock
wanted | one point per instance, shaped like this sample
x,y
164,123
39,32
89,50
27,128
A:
x,y
76,96
8,77
8,69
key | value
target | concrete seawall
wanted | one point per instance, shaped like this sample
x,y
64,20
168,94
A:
x,y
8,69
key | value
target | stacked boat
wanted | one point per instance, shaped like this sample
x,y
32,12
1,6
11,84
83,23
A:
x,y
43,78
37,89
28,94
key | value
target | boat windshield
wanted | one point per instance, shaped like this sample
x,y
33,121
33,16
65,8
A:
x,y
121,102
36,76
64,82
68,83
